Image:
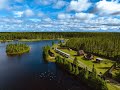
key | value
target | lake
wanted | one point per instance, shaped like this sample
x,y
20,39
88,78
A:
x,y
30,72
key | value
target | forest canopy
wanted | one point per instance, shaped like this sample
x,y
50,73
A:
x,y
55,35
16,49
101,43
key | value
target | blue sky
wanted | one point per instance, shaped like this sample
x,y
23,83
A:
x,y
60,15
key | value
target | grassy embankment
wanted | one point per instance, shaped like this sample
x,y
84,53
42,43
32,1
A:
x,y
100,67
6,40
52,59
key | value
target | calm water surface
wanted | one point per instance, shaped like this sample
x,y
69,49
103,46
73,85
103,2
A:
x,y
30,72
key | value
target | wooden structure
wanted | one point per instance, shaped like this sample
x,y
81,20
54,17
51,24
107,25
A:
x,y
80,53
62,53
98,60
89,56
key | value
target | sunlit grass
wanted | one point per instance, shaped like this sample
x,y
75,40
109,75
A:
x,y
112,86
100,67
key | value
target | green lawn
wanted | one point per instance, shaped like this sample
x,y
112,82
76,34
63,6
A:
x,y
56,54
111,86
100,67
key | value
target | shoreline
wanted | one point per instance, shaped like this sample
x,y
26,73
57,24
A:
x,y
110,85
27,40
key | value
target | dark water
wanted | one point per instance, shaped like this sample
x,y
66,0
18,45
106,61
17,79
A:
x,y
30,72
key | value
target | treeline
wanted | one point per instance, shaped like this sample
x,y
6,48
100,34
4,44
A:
x,y
54,35
105,44
102,46
89,78
14,49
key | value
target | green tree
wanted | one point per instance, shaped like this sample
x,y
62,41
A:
x,y
70,68
76,71
73,70
75,61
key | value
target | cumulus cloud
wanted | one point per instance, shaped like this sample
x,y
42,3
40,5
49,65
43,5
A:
x,y
80,16
108,24
105,7
84,16
59,4
28,13
78,20
18,13
47,19
98,24
64,16
41,14
79,5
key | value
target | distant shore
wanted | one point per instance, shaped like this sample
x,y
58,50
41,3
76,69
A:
x,y
6,40
29,40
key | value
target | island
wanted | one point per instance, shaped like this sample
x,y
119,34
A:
x,y
17,49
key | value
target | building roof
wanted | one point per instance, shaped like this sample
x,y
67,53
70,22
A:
x,y
62,52
99,59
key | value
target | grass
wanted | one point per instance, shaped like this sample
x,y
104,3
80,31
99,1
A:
x,y
115,71
29,40
50,59
56,54
100,67
6,40
112,86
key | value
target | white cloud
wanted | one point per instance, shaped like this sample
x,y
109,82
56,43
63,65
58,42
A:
x,y
41,14
35,20
31,25
47,19
64,16
18,13
80,16
84,16
79,5
59,4
61,16
107,7
29,13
